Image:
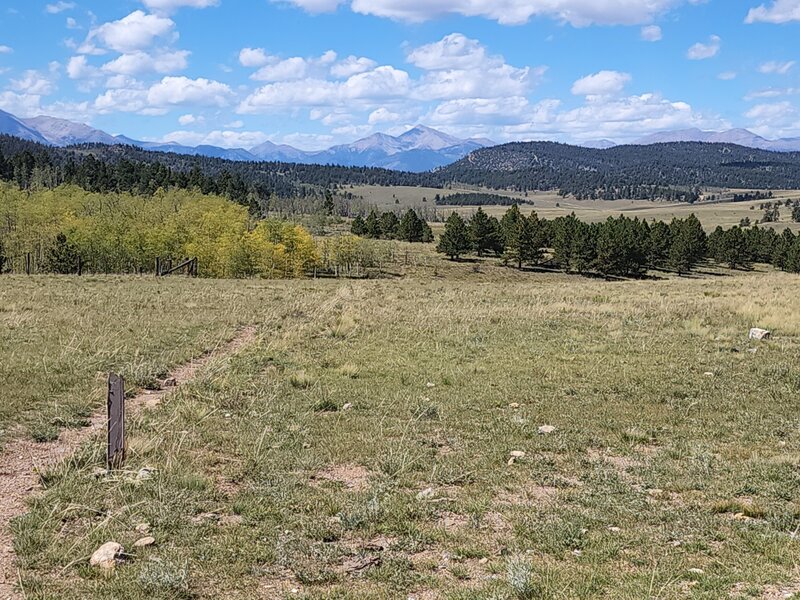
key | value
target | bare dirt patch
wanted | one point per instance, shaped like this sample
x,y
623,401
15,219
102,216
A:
x,y
353,477
23,459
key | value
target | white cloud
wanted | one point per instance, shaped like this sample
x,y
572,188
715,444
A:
x,y
727,75
168,6
187,120
58,7
352,65
602,83
776,120
6,49
21,105
702,51
651,33
454,51
78,68
579,13
382,115
137,31
776,68
221,138
284,70
174,91
33,83
139,62
234,125
72,23
253,57
779,11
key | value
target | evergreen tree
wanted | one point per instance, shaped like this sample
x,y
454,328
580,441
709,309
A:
x,y
389,225
328,206
793,256
373,225
498,245
688,246
482,232
780,251
455,240
410,228
359,226
734,248
796,214
530,240
660,242
62,257
427,233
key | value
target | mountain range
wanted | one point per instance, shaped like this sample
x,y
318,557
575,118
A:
x,y
417,150
740,137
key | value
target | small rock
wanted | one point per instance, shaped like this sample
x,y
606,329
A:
x,y
430,385
614,529
696,571
145,473
106,556
760,334
143,528
514,405
426,494
347,406
517,454
546,429
752,350
708,374
577,552
144,542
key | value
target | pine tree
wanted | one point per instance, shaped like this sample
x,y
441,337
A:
x,y
793,256
780,251
358,226
427,233
455,240
63,256
481,232
688,246
389,224
530,240
373,225
328,206
734,248
410,228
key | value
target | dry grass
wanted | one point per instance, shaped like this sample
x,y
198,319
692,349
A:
x,y
659,481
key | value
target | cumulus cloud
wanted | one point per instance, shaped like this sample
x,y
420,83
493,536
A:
x,y
779,11
140,62
33,83
352,65
137,31
175,91
579,13
253,57
78,68
776,68
6,49
602,83
283,70
702,51
774,120
187,119
651,33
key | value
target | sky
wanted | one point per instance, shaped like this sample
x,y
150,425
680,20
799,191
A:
x,y
313,73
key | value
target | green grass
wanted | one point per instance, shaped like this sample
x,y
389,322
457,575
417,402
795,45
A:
x,y
655,469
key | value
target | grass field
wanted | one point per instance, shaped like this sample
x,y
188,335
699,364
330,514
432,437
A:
x,y
550,205
360,447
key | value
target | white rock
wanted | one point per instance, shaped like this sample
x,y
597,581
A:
x,y
143,528
760,334
144,542
425,494
614,529
514,405
430,385
105,557
546,429
517,454
347,406
708,374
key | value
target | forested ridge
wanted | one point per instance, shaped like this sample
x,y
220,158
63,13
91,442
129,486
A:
x,y
676,171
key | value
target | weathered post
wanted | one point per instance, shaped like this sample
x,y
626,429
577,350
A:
x,y
28,263
115,457
158,266
80,266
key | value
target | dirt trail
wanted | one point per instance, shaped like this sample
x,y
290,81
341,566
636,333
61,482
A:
x,y
22,458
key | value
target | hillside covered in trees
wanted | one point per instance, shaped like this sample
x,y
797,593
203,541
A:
x,y
676,171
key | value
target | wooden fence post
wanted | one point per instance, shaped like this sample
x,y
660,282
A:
x,y
115,457
28,263
80,266
158,266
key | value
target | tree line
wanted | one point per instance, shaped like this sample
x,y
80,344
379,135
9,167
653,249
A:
x,y
387,226
477,199
619,246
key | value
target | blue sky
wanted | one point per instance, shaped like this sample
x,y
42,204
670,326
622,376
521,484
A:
x,y
313,73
